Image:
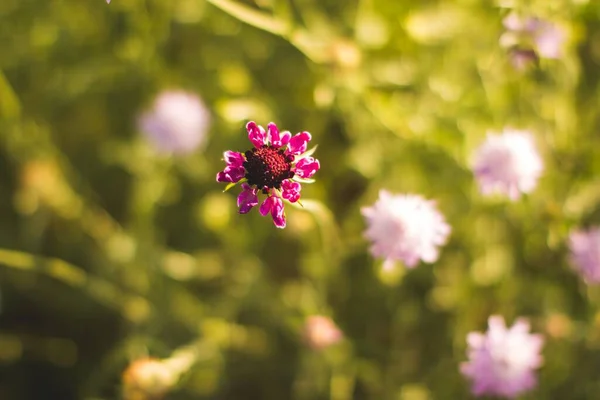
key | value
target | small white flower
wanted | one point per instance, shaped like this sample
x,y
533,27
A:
x,y
177,122
502,362
585,253
508,164
405,228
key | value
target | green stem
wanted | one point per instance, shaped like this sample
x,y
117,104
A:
x,y
133,308
299,38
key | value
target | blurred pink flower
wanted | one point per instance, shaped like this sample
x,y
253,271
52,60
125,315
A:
x,y
276,166
533,36
405,228
147,378
108,1
321,332
507,163
585,253
502,362
177,122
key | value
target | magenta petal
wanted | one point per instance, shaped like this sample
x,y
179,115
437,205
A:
x,y
291,190
273,136
299,143
285,137
276,138
277,213
266,205
256,134
274,205
234,171
307,167
233,159
231,174
247,199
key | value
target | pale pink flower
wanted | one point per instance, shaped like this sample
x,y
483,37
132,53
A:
x,y
507,163
502,362
585,253
321,332
532,36
275,167
405,228
178,122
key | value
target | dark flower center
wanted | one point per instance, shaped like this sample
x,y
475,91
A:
x,y
267,167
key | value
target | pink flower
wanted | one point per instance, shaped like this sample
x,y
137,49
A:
x,y
507,163
177,122
534,36
276,166
502,362
405,228
321,332
147,378
585,253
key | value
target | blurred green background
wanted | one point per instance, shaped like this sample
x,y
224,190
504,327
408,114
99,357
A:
x,y
110,251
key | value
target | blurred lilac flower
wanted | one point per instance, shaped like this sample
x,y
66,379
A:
x,y
276,166
533,37
522,58
507,163
177,122
585,253
405,228
321,332
502,362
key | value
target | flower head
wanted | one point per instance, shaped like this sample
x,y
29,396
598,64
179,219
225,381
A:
x,y
147,378
321,332
532,36
276,166
176,123
585,253
405,228
507,163
502,362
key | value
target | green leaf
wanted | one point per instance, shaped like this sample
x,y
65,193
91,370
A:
x,y
232,184
252,17
303,180
307,153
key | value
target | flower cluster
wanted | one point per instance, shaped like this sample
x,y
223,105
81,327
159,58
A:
x,y
502,362
508,163
405,228
585,253
275,167
530,38
409,228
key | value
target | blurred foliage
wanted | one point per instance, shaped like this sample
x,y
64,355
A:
x,y
112,252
